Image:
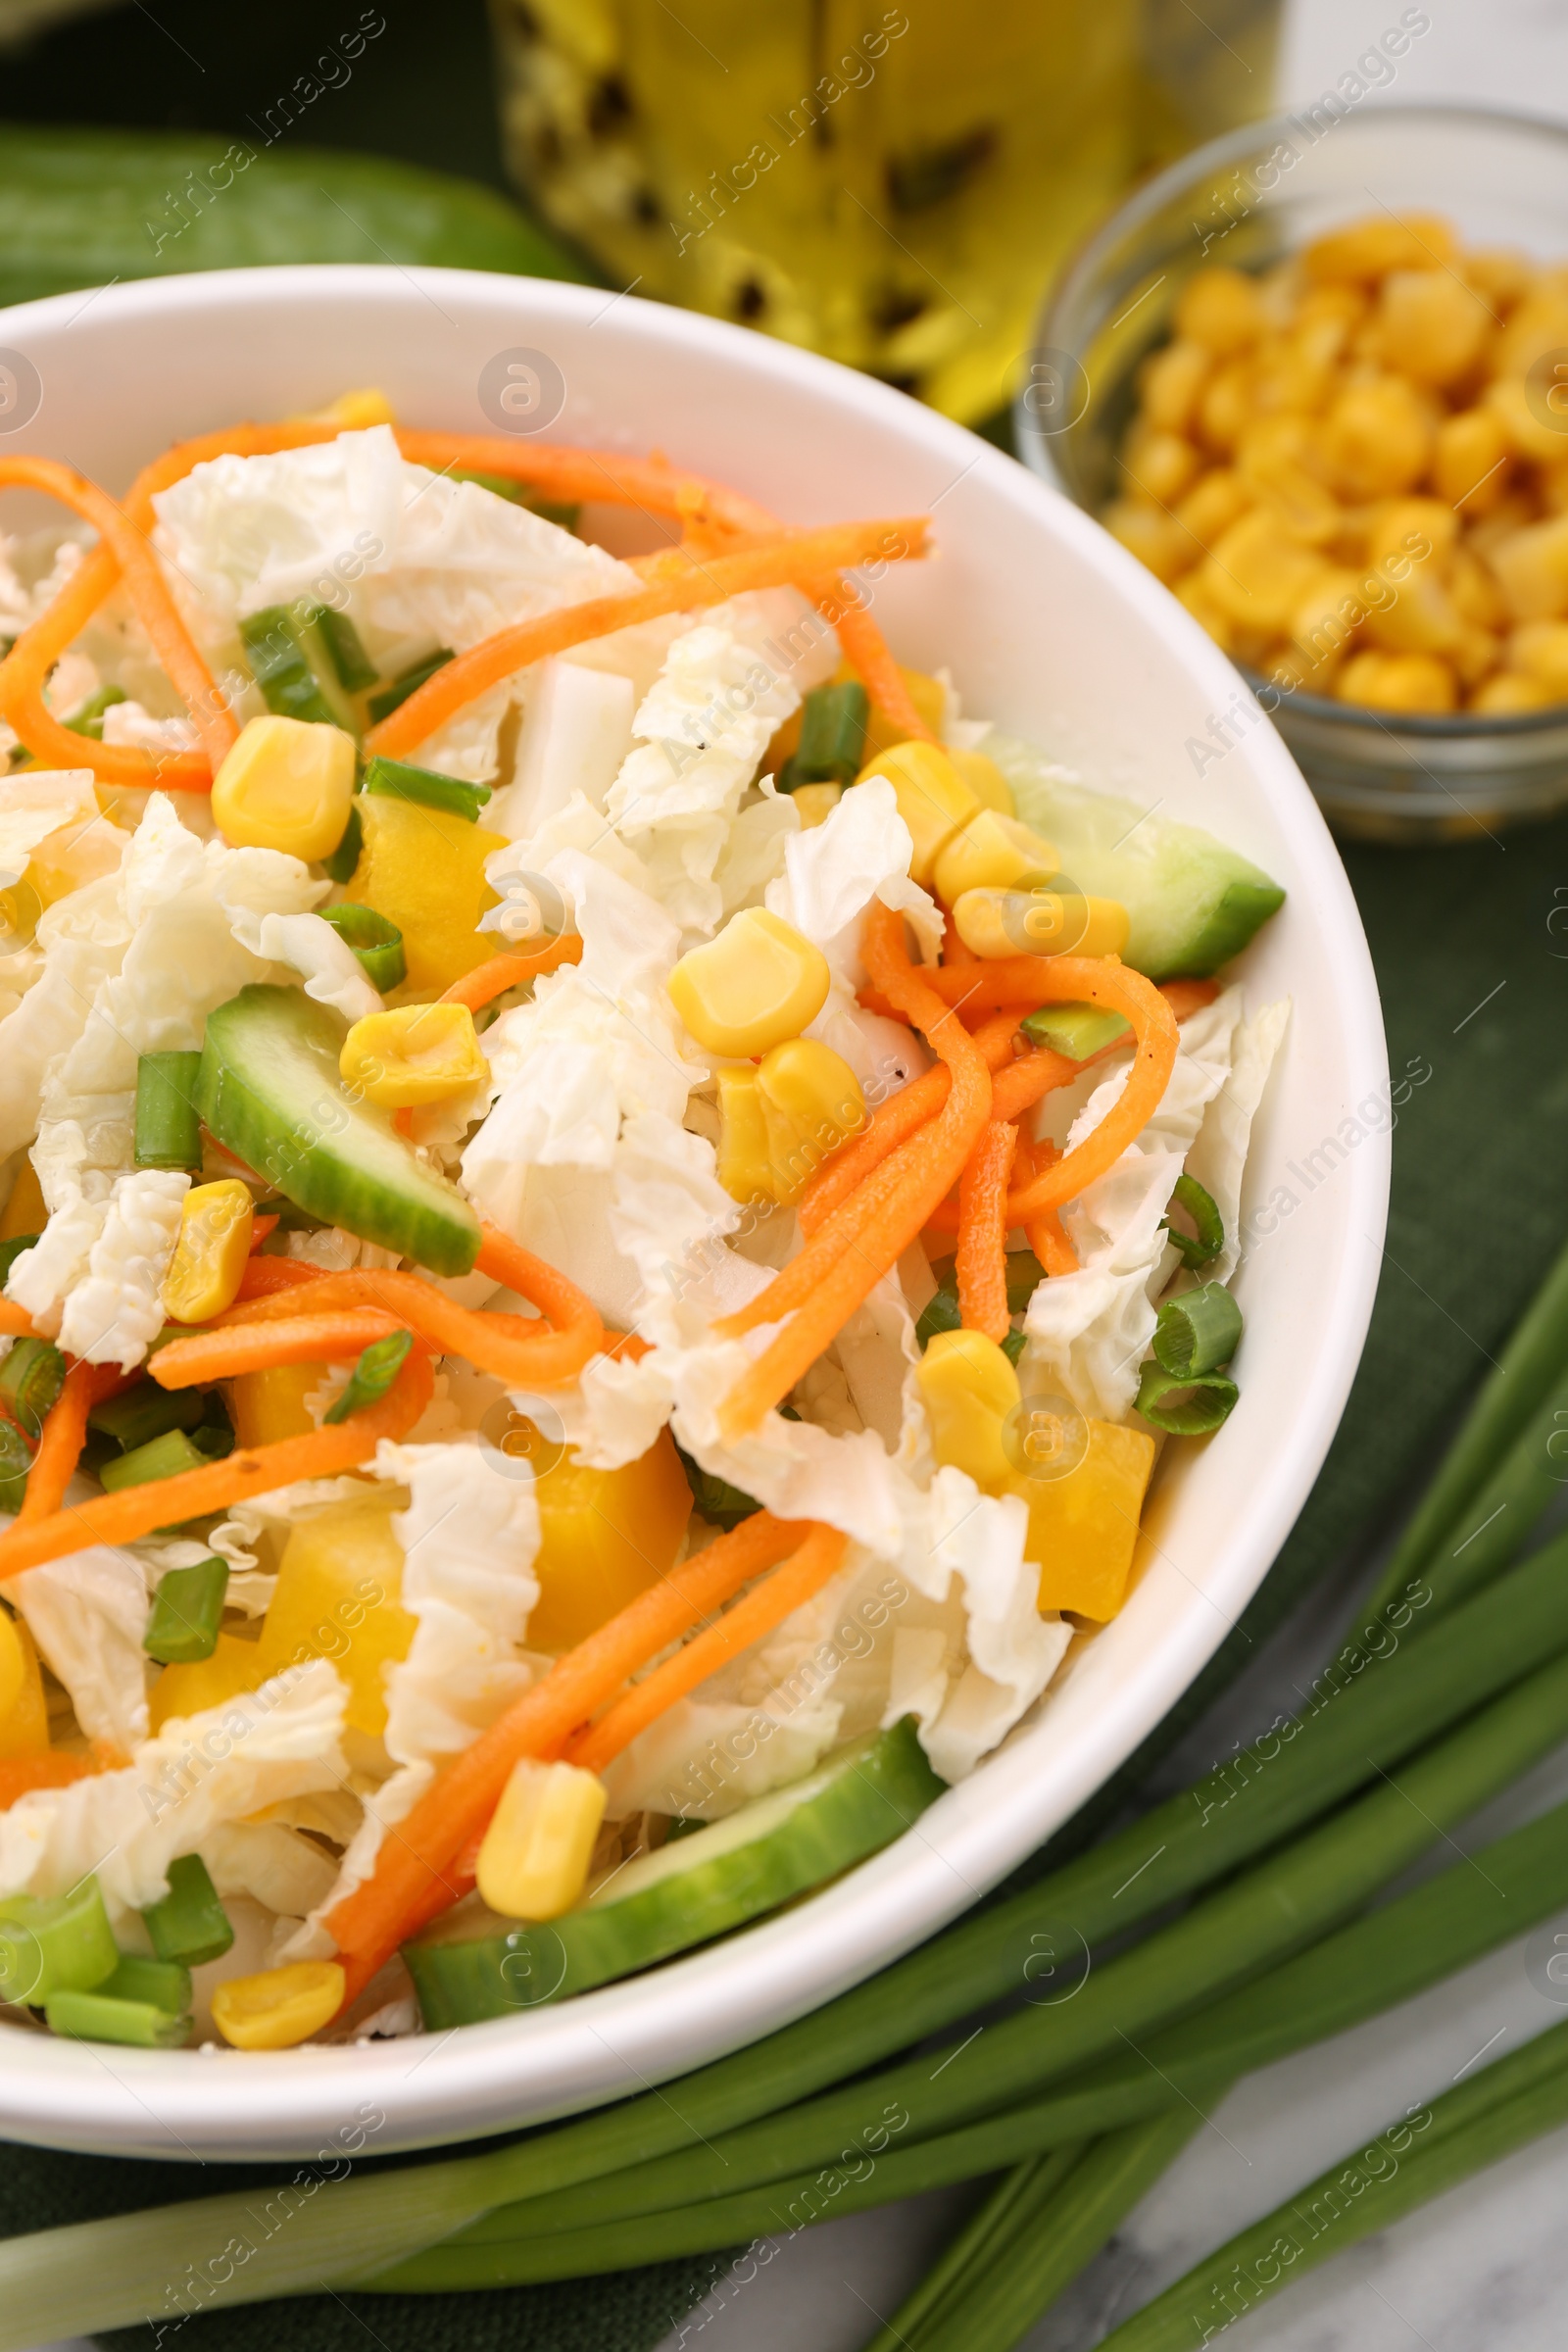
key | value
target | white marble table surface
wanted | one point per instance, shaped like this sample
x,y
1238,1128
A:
x,y
1485,2268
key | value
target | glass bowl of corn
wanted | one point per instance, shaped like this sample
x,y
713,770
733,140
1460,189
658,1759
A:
x,y
1315,376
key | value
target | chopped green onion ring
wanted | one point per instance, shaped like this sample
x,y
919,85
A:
x,y
1197,1332
1209,1240
377,1368
1211,1397
377,943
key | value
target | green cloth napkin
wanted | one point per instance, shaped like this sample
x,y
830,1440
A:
x,y
1473,966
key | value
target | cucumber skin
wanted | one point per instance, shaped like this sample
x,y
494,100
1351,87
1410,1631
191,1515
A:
x,y
1162,863
463,1983
427,1219
84,207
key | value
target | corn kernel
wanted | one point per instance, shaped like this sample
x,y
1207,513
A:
x,y
1430,324
1369,249
1539,325
280,2007
1213,505
1324,622
1171,383
1293,374
1527,435
424,869
1226,408
744,1166
212,1250
1194,592
605,1535
23,1709
1378,438
757,983
997,923
1539,650
1503,275
268,1406
1412,612
355,412
968,1388
338,1596
1552,482
815,803
1408,526
414,1054
984,780
534,1857
1221,309
810,1100
928,694
933,798
233,1668
1159,466
1532,569
286,784
1511,694
1270,462
1420,684
1259,572
1083,1527
1157,539
1475,656
1477,599
25,1212
989,849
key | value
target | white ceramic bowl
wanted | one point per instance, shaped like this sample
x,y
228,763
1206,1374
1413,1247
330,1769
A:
x,y
1058,634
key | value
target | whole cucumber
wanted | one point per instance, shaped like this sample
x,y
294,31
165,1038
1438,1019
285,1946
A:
x,y
81,208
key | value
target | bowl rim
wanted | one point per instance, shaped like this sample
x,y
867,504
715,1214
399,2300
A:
x,y
231,2106
1145,204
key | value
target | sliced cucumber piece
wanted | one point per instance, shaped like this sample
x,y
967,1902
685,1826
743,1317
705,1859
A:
x,y
474,1964
1193,902
268,1091
296,665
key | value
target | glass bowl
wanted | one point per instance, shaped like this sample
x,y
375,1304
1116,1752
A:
x,y
1247,200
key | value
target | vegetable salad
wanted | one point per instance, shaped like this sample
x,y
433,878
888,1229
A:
x,y
610,1205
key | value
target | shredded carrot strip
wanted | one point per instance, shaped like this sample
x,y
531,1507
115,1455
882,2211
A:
x,y
198,1494
259,1229
1044,1233
15,1320
1186,996
49,1768
981,1263
62,1437
603,477
767,1605
802,557
902,1115
866,650
264,1275
514,1347
414,1876
155,606
487,981
300,1339
922,1170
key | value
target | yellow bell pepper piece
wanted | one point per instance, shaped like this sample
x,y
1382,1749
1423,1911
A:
x,y
25,1212
338,1596
424,869
757,983
235,1666
280,2007
990,850
416,1053
969,1389
811,1101
984,780
997,923
928,694
533,1861
933,799
24,1709
286,784
1083,1528
605,1536
815,803
744,1169
212,1251
268,1406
